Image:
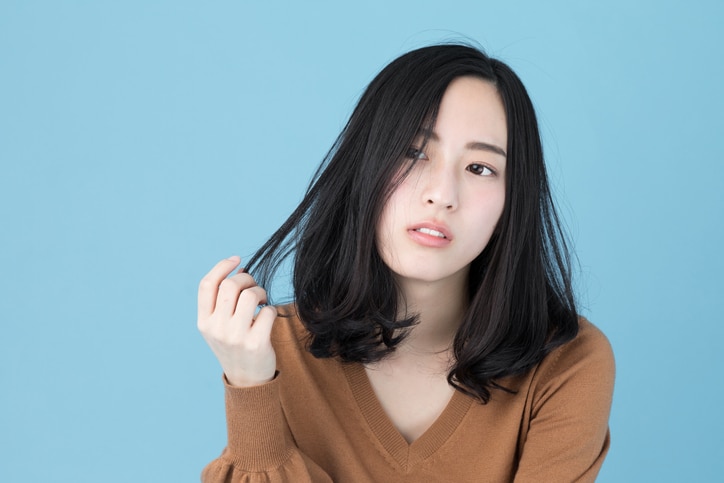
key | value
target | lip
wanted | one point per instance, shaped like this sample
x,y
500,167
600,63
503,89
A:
x,y
427,239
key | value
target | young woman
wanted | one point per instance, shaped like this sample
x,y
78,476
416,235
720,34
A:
x,y
434,334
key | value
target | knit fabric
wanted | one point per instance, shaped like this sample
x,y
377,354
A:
x,y
319,420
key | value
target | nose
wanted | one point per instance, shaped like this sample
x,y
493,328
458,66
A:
x,y
441,189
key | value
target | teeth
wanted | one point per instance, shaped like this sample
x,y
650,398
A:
x,y
428,231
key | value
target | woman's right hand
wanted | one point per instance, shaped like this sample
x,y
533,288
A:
x,y
240,340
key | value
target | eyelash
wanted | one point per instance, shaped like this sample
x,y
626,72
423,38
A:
x,y
475,168
479,169
414,153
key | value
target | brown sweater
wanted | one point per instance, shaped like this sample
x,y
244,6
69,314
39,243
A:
x,y
319,420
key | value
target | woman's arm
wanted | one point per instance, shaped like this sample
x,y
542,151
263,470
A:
x,y
567,433
260,447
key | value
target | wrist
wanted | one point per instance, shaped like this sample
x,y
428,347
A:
x,y
242,381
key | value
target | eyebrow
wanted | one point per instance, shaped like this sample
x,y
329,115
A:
x,y
474,145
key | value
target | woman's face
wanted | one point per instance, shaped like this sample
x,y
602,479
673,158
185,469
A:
x,y
442,215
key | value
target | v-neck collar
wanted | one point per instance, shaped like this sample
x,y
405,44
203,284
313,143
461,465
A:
x,y
404,453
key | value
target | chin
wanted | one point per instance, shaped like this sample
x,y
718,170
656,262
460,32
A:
x,y
429,277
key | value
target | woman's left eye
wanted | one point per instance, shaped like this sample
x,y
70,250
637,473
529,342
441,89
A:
x,y
480,169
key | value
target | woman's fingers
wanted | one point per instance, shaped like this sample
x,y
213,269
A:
x,y
228,319
209,285
231,290
229,303
263,323
248,301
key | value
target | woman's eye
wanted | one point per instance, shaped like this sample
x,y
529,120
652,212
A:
x,y
480,169
414,153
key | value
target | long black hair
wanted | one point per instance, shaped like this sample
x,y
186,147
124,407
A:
x,y
521,302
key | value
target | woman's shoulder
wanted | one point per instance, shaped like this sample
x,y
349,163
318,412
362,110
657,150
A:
x,y
296,364
290,337
288,326
588,355
589,337
589,340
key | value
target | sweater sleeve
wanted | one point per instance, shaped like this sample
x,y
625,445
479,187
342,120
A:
x,y
260,447
568,435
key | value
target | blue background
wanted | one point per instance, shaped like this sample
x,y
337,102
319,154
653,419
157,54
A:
x,y
140,142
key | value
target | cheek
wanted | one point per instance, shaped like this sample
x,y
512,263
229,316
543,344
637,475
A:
x,y
385,227
392,223
382,233
395,210
499,207
490,211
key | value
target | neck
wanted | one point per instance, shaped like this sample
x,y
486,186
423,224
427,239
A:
x,y
440,307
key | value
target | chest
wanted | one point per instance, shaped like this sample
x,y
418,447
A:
x,y
412,397
385,424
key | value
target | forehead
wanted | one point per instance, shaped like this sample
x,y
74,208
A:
x,y
472,107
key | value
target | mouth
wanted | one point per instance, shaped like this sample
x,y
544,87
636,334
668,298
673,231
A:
x,y
431,232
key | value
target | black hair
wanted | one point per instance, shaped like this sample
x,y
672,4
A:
x,y
521,302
